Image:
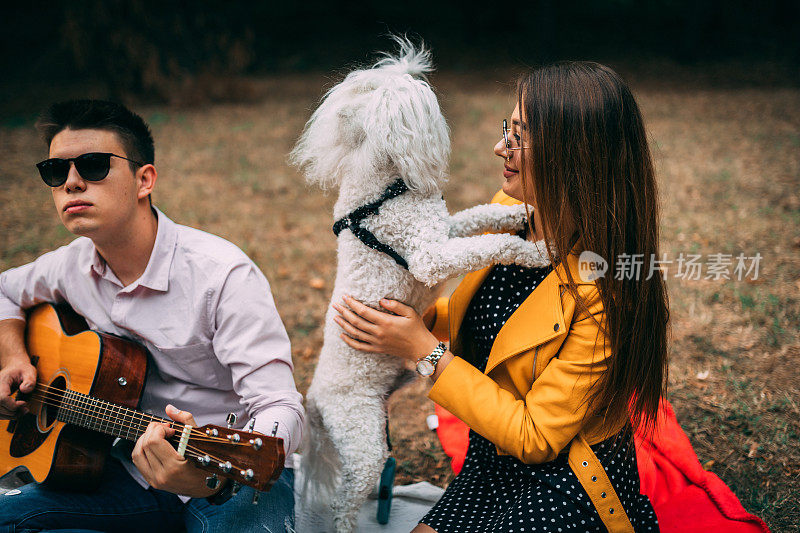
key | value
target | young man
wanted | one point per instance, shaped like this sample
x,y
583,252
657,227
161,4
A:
x,y
200,306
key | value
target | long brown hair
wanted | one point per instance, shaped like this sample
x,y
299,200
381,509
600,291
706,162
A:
x,y
588,164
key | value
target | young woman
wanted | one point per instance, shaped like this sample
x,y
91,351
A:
x,y
551,368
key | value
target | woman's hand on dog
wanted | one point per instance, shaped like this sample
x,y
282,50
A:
x,y
400,332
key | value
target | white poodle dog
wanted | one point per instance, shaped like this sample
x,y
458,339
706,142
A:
x,y
380,137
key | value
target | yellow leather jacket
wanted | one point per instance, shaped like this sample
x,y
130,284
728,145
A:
x,y
531,400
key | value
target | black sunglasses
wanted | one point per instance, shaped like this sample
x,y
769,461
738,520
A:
x,y
93,166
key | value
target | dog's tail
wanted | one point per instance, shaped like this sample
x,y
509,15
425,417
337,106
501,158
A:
x,y
320,464
411,59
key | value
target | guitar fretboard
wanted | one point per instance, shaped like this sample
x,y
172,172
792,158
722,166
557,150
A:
x,y
106,417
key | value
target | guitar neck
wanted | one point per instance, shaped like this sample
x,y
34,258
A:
x,y
106,417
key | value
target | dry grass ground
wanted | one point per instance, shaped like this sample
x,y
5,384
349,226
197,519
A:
x,y
729,166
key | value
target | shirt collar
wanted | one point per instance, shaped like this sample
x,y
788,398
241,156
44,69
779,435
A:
x,y
95,263
156,275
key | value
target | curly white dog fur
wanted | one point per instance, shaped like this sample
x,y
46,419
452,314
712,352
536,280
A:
x,y
377,125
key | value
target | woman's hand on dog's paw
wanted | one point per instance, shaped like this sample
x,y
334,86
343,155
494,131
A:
x,y
400,331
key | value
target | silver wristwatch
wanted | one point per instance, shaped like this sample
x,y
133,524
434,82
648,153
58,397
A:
x,y
426,366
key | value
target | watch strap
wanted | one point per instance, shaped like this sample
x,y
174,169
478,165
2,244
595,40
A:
x,y
426,366
437,353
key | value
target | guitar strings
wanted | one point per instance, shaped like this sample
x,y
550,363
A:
x,y
86,401
124,411
192,451
135,417
136,422
136,425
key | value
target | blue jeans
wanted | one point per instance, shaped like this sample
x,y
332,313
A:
x,y
122,505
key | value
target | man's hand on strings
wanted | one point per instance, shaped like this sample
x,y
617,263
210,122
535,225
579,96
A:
x,y
16,370
20,375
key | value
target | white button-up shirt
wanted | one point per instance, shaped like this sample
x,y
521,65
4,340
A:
x,y
202,309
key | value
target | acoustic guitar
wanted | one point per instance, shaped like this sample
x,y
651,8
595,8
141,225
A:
x,y
89,386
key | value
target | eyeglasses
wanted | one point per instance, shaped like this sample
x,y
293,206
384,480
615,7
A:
x,y
509,148
93,166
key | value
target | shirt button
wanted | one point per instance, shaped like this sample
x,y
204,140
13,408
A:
x,y
555,327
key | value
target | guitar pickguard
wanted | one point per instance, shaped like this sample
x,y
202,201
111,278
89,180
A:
x,y
27,437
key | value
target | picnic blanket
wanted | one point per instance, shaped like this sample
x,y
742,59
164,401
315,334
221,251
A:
x,y
685,497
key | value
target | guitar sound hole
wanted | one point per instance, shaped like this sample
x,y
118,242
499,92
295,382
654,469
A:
x,y
54,395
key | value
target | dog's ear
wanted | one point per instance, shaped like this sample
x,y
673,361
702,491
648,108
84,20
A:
x,y
350,130
406,130
326,147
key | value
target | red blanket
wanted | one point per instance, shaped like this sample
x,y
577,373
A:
x,y
685,497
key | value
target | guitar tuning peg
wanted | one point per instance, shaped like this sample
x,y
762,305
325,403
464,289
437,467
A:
x,y
256,494
212,481
230,419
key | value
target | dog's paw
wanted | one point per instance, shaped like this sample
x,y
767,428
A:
x,y
532,255
518,216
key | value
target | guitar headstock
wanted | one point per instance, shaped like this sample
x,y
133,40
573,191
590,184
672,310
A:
x,y
251,459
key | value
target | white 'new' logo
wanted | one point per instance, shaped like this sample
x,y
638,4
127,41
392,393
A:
x,y
591,266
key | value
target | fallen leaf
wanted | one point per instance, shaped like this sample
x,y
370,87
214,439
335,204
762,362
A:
x,y
316,283
753,450
708,464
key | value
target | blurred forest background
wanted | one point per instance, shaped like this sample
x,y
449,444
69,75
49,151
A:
x,y
227,87
189,52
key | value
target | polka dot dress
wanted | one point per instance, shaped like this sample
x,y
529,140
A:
x,y
500,493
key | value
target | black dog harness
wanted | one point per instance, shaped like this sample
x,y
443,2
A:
x,y
353,220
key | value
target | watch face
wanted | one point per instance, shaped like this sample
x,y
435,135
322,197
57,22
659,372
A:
x,y
425,367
